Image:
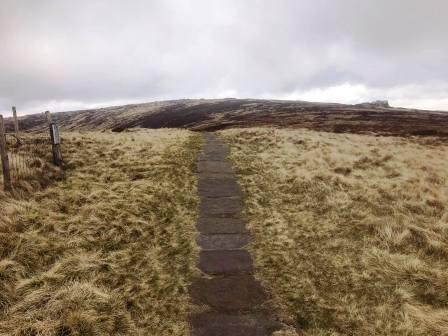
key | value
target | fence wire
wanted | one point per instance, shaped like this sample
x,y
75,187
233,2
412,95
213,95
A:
x,y
28,156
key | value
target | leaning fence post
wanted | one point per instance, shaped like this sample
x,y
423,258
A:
x,y
4,157
16,122
55,140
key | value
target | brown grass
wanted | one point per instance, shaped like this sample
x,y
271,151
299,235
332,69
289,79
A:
x,y
30,163
108,251
350,230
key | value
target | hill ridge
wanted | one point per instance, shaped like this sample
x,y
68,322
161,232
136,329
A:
x,y
217,114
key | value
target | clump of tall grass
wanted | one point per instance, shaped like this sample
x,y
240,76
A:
x,y
110,249
350,231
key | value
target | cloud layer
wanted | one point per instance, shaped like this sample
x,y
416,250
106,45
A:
x,y
64,55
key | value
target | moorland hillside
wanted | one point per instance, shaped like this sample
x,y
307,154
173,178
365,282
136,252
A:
x,y
218,114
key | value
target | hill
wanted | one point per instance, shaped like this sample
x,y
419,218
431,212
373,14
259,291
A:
x,y
218,114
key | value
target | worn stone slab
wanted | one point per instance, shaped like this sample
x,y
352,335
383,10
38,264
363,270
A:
x,y
223,241
214,152
211,138
225,262
213,145
212,157
224,151
218,187
229,178
227,294
217,167
211,225
220,207
219,324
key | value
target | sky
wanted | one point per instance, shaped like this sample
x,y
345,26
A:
x,y
69,55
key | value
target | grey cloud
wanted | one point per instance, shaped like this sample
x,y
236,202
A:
x,y
90,52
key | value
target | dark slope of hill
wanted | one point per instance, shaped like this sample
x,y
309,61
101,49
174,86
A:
x,y
216,114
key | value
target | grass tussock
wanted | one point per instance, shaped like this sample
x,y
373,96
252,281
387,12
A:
x,y
351,231
108,251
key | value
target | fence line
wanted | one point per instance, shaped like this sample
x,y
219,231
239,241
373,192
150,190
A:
x,y
4,157
16,122
26,155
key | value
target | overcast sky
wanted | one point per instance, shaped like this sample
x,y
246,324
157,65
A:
x,y
65,55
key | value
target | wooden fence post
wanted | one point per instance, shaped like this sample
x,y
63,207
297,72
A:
x,y
49,118
4,157
16,122
55,140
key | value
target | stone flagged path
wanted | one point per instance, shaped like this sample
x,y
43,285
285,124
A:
x,y
235,300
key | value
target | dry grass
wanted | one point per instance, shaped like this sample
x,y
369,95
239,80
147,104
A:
x,y
108,251
30,163
351,231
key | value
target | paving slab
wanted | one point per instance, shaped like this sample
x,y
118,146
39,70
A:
x,y
218,187
221,206
227,177
225,262
220,167
223,241
216,150
211,225
227,294
212,146
214,154
220,324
